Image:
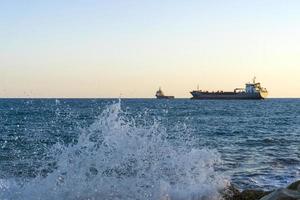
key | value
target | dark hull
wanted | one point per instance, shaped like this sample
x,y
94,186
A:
x,y
165,97
227,95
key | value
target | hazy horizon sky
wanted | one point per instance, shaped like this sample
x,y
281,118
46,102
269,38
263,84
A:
x,y
98,48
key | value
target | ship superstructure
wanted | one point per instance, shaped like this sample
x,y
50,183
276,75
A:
x,y
251,91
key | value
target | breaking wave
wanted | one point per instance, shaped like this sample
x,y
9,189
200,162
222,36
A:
x,y
115,158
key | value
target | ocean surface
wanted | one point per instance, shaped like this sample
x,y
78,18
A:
x,y
145,148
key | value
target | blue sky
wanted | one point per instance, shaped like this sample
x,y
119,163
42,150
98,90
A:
x,y
108,48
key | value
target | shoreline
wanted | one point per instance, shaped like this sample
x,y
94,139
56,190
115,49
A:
x,y
291,192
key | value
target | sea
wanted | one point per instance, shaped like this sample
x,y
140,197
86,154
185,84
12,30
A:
x,y
121,149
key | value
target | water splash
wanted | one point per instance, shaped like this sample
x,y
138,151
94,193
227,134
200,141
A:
x,y
117,159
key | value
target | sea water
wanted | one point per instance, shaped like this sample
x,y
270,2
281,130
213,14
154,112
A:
x,y
145,148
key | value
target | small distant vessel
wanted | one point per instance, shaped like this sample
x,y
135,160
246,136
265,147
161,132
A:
x,y
251,91
160,95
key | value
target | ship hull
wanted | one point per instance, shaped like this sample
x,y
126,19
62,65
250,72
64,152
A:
x,y
165,97
228,95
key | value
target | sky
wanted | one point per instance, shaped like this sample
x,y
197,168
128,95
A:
x,y
129,48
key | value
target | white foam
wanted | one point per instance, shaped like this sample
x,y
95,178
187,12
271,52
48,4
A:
x,y
117,159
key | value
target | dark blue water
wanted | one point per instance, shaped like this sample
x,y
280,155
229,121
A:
x,y
253,144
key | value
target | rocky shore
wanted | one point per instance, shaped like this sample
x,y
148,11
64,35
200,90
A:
x,y
292,192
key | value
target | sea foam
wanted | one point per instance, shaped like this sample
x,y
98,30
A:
x,y
117,158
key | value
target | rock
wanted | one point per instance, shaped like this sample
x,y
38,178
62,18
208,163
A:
x,y
231,193
252,194
294,186
282,194
292,192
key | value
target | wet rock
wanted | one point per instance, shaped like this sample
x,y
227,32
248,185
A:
x,y
294,186
292,192
282,194
232,193
253,194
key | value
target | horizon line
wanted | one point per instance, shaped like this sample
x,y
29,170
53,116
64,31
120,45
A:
x,y
120,98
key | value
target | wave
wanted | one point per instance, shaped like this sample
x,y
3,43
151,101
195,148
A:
x,y
117,158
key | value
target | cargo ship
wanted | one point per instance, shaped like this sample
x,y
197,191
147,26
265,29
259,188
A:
x,y
160,95
251,91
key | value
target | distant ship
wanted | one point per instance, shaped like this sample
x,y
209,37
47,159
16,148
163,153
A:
x,y
251,91
160,95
